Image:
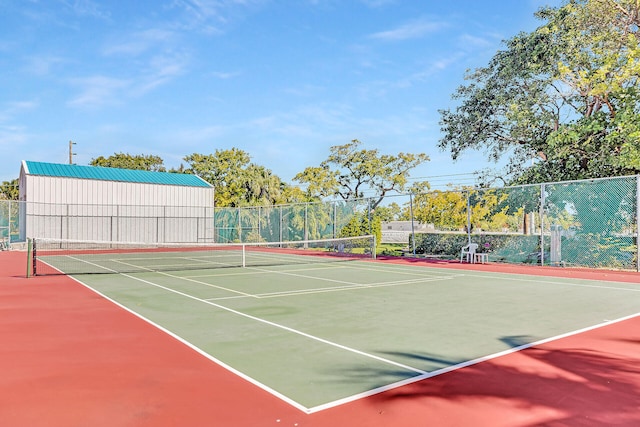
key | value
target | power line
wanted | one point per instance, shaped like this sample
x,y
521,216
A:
x,y
443,176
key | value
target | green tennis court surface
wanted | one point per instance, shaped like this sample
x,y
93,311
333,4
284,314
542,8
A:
x,y
318,335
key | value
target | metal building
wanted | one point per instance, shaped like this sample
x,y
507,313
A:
x,y
108,204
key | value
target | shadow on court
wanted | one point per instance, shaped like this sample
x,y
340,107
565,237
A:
x,y
592,379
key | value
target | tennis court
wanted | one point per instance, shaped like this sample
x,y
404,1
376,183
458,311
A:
x,y
318,333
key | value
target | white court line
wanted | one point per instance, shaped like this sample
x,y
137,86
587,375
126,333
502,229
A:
x,y
465,364
536,280
422,375
250,273
260,320
199,350
244,294
90,263
348,285
340,288
176,266
279,326
233,291
289,273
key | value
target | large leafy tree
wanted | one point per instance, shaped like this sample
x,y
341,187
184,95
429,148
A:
x,y
565,95
350,170
128,161
238,181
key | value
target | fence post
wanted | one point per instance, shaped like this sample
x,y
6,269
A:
x,y
638,223
305,233
280,224
413,230
369,215
335,218
9,223
542,202
468,217
259,222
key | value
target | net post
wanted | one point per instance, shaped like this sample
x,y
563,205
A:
x,y
373,249
244,255
30,257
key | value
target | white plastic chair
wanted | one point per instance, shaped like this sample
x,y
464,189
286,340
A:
x,y
4,241
469,251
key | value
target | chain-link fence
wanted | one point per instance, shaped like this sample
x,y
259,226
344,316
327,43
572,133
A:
x,y
19,220
306,221
9,222
590,223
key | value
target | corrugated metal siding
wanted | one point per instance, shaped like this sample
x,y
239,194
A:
x,y
42,189
91,209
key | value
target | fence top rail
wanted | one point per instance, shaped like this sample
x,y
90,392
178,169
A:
x,y
578,181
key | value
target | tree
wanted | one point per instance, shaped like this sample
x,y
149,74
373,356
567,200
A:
x,y
128,161
565,95
10,190
237,181
391,212
447,210
349,171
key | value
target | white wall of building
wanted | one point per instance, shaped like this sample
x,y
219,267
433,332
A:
x,y
89,209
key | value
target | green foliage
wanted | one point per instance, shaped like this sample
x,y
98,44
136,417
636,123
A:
x,y
237,181
600,207
391,249
128,161
392,212
565,94
501,247
361,225
597,251
447,210
348,171
10,190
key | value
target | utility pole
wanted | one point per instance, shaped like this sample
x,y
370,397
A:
x,y
71,153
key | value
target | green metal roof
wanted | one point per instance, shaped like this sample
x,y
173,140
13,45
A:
x,y
113,174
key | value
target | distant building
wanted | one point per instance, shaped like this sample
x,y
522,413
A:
x,y
109,204
399,231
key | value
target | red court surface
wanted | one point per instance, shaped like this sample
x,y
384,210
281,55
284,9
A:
x,y
72,358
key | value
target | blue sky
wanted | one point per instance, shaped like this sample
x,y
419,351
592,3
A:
x,y
283,80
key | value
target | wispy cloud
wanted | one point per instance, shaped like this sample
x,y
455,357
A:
x,y
378,3
160,70
87,8
10,109
210,16
139,42
159,58
225,75
12,133
376,89
306,90
410,30
98,90
12,137
41,65
434,67
474,42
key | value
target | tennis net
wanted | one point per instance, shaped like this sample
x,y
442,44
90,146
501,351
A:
x,y
58,256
